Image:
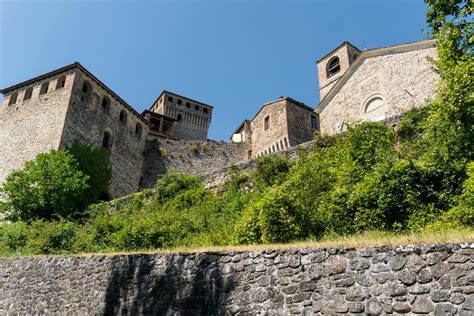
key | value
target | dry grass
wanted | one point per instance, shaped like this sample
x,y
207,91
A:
x,y
367,239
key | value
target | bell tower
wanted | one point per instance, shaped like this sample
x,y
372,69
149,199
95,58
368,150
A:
x,y
333,65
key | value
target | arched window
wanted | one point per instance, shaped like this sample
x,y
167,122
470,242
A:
x,y
204,110
188,105
123,117
333,67
179,117
13,99
373,103
44,88
61,82
105,103
170,99
86,87
180,102
107,140
196,107
28,93
138,130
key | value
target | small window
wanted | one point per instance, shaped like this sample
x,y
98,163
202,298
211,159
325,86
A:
x,y
266,122
170,99
333,67
313,121
188,105
196,107
179,117
138,130
204,110
13,99
180,102
44,88
123,117
61,82
86,87
161,100
105,103
107,141
28,93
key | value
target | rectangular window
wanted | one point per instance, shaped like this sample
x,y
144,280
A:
x,y
266,122
313,122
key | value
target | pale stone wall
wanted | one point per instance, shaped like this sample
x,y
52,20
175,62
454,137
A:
x,y
32,126
265,141
346,55
87,121
422,279
404,80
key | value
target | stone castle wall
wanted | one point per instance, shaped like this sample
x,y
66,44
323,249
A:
x,y
403,80
87,121
432,279
32,126
191,157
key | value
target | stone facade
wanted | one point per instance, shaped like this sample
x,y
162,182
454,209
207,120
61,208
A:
x,y
278,125
433,279
35,124
192,118
53,110
95,112
341,57
380,85
190,157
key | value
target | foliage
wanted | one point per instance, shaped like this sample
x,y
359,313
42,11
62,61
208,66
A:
x,y
93,162
419,179
48,187
270,170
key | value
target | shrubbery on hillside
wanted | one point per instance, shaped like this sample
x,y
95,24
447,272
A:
x,y
370,178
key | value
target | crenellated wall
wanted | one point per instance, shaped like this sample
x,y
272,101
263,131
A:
x,y
423,279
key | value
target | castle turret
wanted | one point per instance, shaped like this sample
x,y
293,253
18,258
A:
x,y
332,66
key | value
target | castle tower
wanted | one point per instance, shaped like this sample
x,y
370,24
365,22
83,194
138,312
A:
x,y
191,118
332,66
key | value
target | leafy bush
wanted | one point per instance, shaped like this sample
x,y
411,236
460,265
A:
x,y
270,170
93,162
48,187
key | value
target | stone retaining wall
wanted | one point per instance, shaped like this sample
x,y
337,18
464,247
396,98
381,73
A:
x,y
431,279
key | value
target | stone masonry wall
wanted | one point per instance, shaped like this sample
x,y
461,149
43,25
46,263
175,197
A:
x,y
32,126
191,157
403,80
87,121
432,279
263,140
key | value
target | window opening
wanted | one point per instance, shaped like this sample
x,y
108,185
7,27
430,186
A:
x,y
61,82
13,99
44,88
266,122
28,93
333,67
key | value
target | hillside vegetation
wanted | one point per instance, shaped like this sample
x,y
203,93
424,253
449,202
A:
x,y
417,179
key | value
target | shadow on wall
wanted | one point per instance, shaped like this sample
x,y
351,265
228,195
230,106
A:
x,y
168,284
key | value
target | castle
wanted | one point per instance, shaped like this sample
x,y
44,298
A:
x,y
52,110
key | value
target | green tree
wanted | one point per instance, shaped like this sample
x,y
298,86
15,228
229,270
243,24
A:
x,y
48,187
93,162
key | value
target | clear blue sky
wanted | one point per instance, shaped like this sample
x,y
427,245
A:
x,y
235,55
